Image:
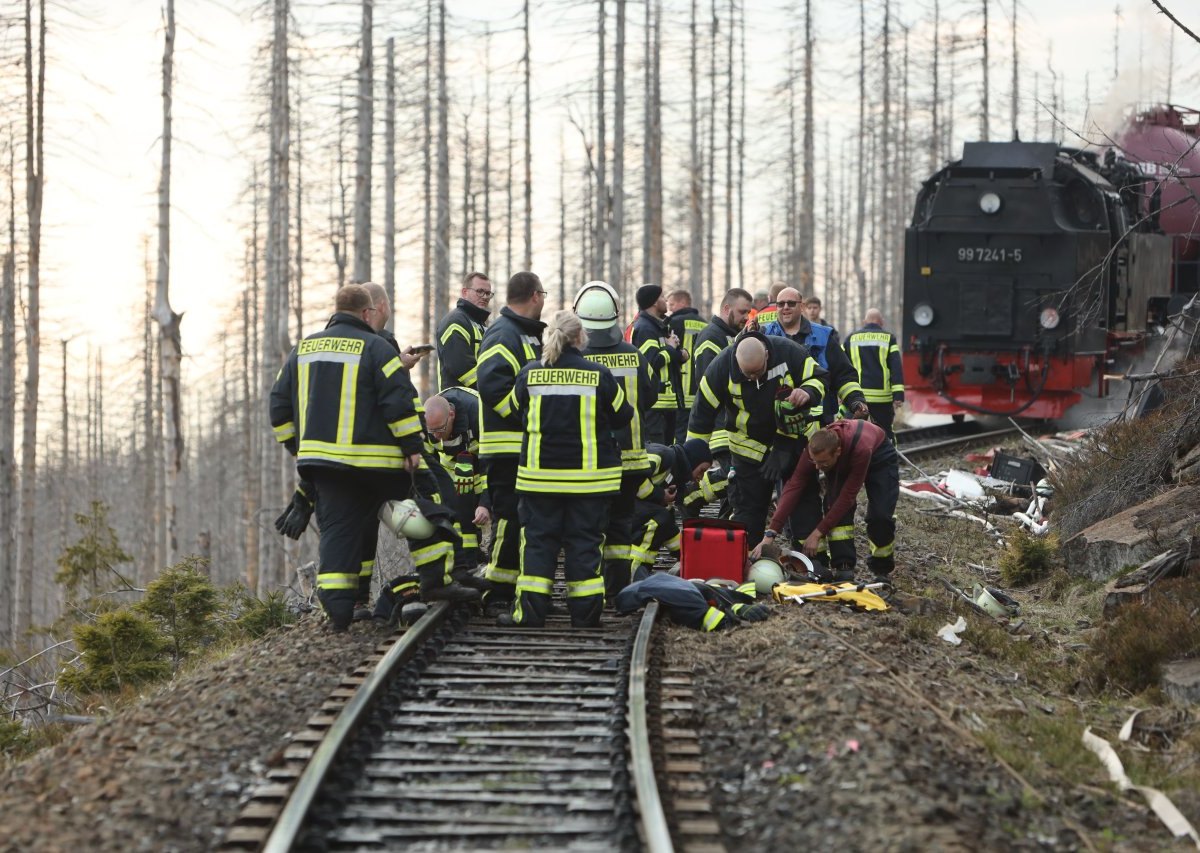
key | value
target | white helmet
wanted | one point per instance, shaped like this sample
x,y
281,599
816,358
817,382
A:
x,y
597,305
765,574
403,518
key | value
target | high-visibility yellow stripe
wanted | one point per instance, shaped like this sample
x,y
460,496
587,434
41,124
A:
x,y
405,426
534,584
584,589
502,351
392,366
882,550
534,433
336,580
302,397
842,534
283,432
603,481
452,330
345,424
471,376
707,391
712,618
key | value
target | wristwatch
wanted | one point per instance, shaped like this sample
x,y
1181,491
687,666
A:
x,y
769,534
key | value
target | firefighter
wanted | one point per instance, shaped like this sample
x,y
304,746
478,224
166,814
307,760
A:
x,y
686,324
812,310
452,424
823,345
596,305
357,437
876,356
460,334
570,469
653,338
722,328
513,339
851,454
671,473
771,390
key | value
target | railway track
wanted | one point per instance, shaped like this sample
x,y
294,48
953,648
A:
x,y
929,441
462,735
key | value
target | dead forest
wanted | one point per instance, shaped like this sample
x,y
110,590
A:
x,y
704,145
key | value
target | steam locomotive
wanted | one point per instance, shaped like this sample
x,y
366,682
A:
x,y
1036,276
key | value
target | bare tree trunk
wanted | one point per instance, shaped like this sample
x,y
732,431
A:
x,y
601,223
984,106
430,303
8,425
275,340
34,124
808,192
298,290
647,146
617,231
389,182
65,452
562,220
885,160
655,213
337,228
695,195
1016,78
793,208
441,265
528,262
741,144
729,150
859,272
1170,61
467,260
711,178
362,166
149,534
935,130
508,197
487,153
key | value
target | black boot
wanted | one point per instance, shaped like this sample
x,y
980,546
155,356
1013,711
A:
x,y
454,592
467,577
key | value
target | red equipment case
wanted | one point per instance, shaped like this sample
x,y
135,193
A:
x,y
712,548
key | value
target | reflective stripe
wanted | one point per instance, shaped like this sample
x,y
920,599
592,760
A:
x,y
617,552
882,550
842,533
336,580
561,391
405,426
748,588
329,357
453,329
598,481
709,396
505,407
501,350
712,618
672,544
775,372
471,376
367,567
345,425
357,455
283,432
534,584
392,366
470,540
430,553
585,589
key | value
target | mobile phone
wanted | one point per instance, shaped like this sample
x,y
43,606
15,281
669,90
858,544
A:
x,y
417,349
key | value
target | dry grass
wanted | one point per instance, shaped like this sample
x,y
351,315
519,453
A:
x,y
1128,462
1128,652
1028,558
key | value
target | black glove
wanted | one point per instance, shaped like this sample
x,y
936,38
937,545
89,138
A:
x,y
754,613
294,520
860,410
778,462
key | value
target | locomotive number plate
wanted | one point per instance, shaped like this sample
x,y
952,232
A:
x,y
988,255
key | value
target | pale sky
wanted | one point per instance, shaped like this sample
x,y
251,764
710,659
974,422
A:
x,y
103,120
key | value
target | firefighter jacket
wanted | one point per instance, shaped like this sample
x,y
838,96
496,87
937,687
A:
x,y
710,343
508,344
630,368
876,356
750,404
343,399
665,466
705,607
769,313
458,338
571,410
687,326
822,343
649,334
460,449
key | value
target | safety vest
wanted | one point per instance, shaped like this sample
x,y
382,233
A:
x,y
632,371
876,356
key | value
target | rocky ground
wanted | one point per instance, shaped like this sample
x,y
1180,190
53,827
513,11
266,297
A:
x,y
824,729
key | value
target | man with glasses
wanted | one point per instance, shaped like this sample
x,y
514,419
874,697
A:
x,y
460,333
823,345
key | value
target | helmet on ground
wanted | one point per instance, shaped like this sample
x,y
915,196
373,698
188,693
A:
x,y
404,518
597,305
765,574
1044,489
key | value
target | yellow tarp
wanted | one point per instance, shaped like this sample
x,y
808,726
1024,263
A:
x,y
843,593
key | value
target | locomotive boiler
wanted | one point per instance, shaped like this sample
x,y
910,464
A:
x,y
1036,276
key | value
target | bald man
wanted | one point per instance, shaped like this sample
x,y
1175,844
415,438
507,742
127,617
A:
x,y
452,425
772,389
876,356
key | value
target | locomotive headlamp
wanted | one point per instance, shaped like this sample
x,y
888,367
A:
x,y
923,314
1049,318
989,203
